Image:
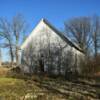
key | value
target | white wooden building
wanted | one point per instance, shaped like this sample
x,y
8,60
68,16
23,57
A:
x,y
52,48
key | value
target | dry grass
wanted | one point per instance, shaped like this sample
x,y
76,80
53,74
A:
x,y
14,86
4,71
17,86
18,89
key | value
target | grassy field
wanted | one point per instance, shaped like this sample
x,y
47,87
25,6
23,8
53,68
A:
x,y
19,87
13,88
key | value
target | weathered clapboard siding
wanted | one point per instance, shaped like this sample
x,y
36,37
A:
x,y
45,38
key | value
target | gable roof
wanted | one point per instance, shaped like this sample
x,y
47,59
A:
x,y
61,35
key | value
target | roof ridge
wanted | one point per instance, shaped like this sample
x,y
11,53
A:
x,y
62,35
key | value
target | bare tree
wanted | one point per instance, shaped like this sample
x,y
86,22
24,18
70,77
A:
x,y
29,58
6,34
85,32
18,29
12,33
96,34
79,30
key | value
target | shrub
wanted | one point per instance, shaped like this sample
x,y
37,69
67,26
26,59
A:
x,y
92,66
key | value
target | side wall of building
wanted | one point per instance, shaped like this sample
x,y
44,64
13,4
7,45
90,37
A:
x,y
46,45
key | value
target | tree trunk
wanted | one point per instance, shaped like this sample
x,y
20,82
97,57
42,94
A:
x,y
11,55
17,56
17,49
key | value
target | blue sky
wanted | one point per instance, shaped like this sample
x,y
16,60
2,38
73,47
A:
x,y
56,11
